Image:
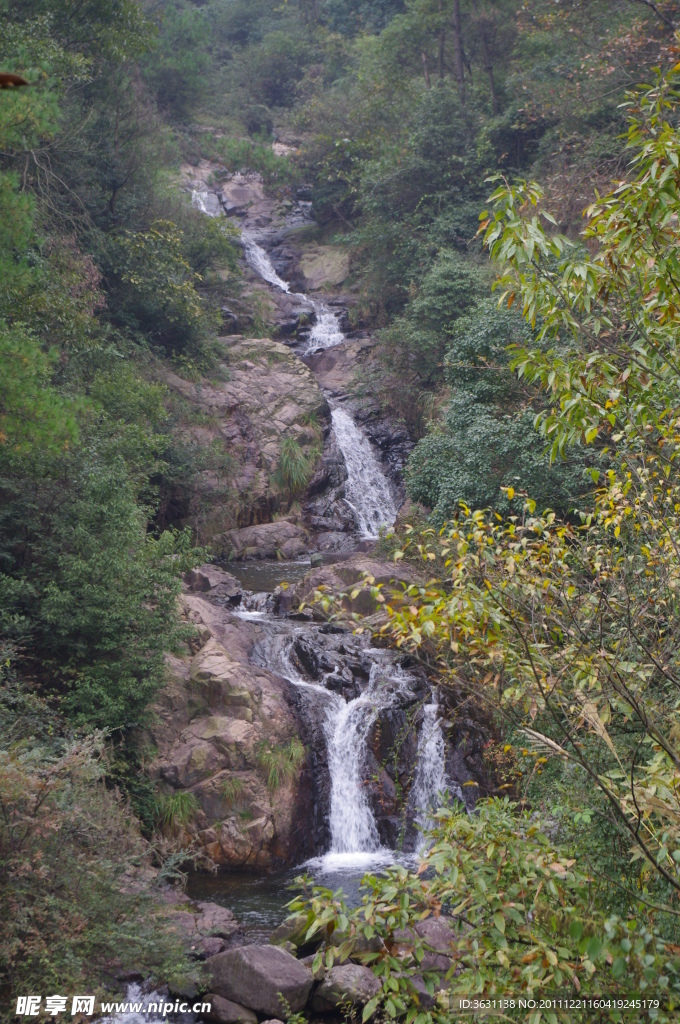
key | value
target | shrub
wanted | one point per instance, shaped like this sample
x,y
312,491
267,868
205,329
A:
x,y
69,851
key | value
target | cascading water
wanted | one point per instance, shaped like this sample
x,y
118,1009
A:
x,y
430,777
368,492
262,265
352,823
346,724
326,332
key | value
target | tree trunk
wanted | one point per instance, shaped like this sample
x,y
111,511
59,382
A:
x,y
459,60
426,71
442,42
488,67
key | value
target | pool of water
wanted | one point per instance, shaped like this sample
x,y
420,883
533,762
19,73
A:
x,y
259,901
266,575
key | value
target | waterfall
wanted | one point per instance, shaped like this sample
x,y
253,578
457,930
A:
x,y
261,264
430,779
352,824
325,332
368,492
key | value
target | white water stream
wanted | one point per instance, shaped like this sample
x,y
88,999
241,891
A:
x,y
368,492
355,841
354,838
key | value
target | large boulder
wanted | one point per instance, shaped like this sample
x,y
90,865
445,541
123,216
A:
x,y
226,684
270,540
266,979
438,937
225,1012
293,929
324,266
348,983
208,579
203,927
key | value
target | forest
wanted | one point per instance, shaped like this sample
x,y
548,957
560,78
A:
x,y
502,179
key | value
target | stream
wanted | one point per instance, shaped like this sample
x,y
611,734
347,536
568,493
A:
x,y
344,689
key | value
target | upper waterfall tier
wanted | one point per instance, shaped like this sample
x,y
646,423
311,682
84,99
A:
x,y
368,492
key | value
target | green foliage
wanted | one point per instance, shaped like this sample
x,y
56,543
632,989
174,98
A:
x,y
524,919
99,600
177,68
614,377
231,790
295,467
32,412
273,68
281,762
177,809
68,853
160,298
486,440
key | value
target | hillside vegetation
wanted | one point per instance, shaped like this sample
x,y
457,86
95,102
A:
x,y
534,361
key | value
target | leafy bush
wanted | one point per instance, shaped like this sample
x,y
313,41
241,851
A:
x,y
486,439
157,290
523,916
69,850
100,602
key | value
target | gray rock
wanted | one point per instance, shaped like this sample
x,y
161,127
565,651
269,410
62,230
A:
x,y
293,929
208,579
437,935
266,979
268,540
211,945
215,920
308,961
225,1012
348,983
